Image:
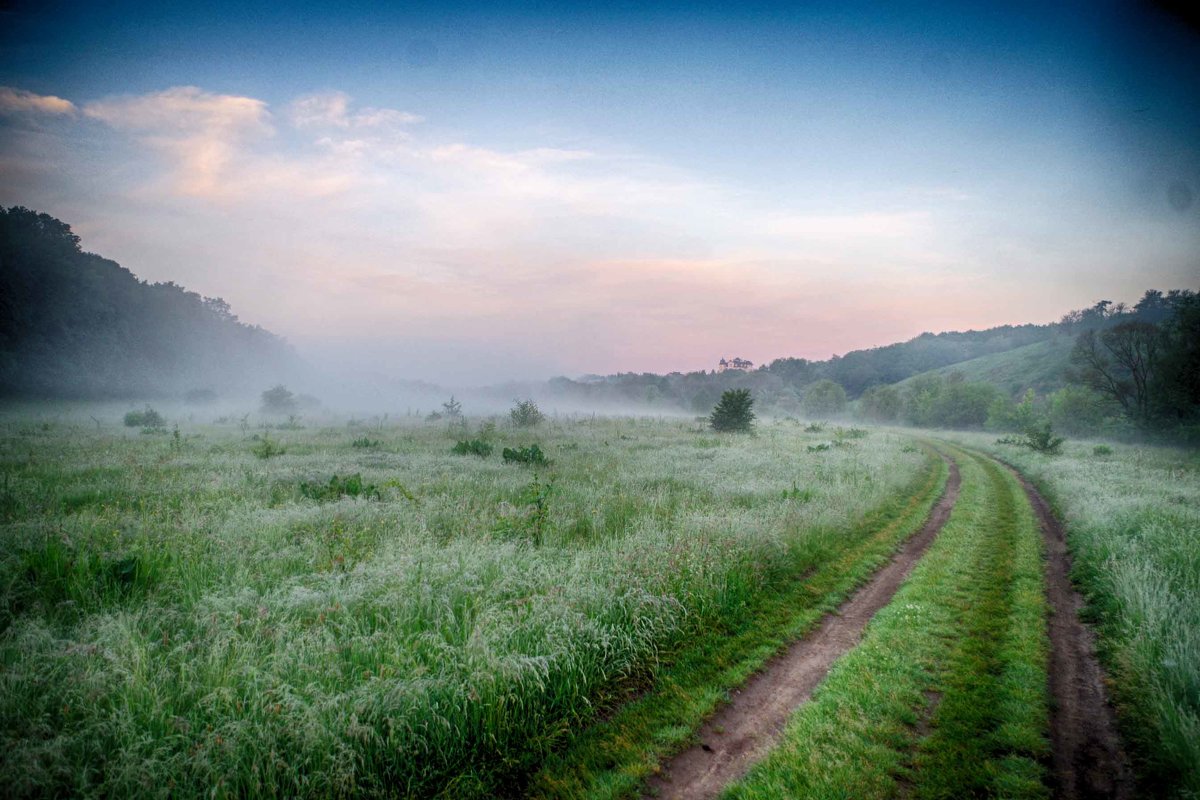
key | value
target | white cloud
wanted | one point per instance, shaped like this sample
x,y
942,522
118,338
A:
x,y
186,110
202,132
19,101
332,110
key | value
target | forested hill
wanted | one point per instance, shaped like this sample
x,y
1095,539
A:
x,y
781,383
1007,360
74,324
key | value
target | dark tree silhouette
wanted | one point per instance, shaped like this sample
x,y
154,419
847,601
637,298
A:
x,y
1119,362
73,324
279,400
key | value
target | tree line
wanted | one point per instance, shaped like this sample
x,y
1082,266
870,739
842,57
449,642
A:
x,y
1132,368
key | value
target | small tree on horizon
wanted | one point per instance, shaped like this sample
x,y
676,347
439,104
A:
x,y
526,414
452,409
278,400
734,412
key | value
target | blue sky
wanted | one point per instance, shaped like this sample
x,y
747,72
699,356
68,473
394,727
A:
x,y
531,189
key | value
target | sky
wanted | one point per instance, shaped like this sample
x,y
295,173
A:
x,y
469,194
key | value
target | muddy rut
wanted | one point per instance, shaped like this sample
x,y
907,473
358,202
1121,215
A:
x,y
1088,760
742,731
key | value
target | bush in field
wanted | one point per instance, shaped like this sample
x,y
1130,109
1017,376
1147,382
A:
x,y
365,443
734,412
1039,437
526,414
529,456
146,418
279,400
267,447
472,447
1042,439
823,399
452,409
337,488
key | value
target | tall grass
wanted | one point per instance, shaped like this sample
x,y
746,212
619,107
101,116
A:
x,y
179,618
1133,526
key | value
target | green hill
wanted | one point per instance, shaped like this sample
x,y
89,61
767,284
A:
x,y
1039,366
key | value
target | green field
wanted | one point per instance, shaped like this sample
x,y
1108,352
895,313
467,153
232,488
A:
x,y
355,610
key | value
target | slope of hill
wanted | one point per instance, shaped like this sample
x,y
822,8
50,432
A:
x,y
74,324
1040,366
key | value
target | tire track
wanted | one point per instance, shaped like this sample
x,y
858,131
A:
x,y
742,731
1089,762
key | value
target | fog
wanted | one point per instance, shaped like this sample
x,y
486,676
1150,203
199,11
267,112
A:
x,y
626,195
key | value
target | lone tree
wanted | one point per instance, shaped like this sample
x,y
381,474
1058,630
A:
x,y
452,409
526,414
734,412
279,400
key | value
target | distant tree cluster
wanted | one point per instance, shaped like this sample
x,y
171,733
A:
x,y
73,324
798,386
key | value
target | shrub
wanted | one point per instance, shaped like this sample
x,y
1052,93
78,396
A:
x,y
526,414
337,488
267,447
1102,450
365,443
529,456
734,412
1039,438
842,434
452,409
473,447
279,400
799,495
147,418
1042,439
819,448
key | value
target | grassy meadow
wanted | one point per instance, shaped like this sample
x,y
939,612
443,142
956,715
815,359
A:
x,y
207,611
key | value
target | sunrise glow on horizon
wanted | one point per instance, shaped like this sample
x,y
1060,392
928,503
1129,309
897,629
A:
x,y
468,196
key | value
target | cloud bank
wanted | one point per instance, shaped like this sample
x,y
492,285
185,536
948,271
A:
x,y
372,234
